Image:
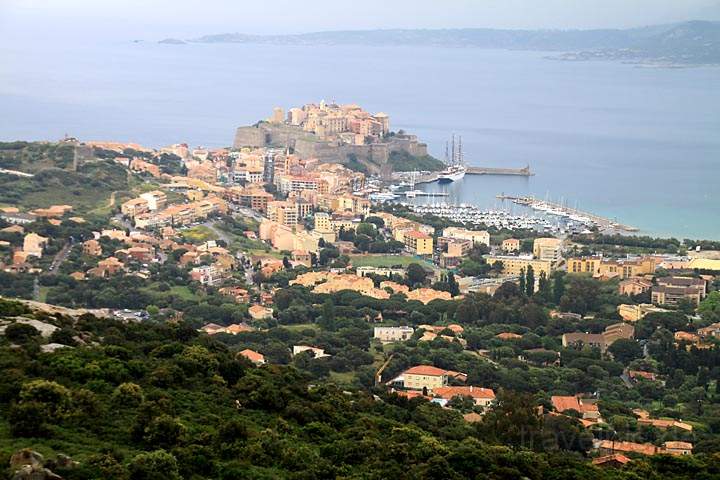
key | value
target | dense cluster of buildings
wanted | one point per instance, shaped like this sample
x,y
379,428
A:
x,y
330,121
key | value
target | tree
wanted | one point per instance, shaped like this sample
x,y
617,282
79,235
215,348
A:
x,y
27,419
453,284
164,431
367,229
377,221
530,281
416,274
523,281
327,319
514,420
709,308
157,465
21,332
507,291
558,287
543,287
625,350
581,296
64,336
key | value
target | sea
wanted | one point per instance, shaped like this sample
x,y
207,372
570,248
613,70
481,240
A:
x,y
637,144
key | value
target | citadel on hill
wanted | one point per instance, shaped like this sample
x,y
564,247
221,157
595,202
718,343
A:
x,y
332,133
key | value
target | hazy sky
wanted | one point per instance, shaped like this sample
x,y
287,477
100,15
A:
x,y
155,19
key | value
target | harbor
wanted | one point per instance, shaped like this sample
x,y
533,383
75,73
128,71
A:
x,y
502,219
419,178
560,210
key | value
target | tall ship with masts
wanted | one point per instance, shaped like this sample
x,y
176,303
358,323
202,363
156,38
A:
x,y
455,164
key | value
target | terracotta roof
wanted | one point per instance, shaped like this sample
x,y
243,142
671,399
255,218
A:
x,y
640,373
417,234
470,391
562,403
630,447
508,336
678,445
615,457
252,355
257,309
425,370
662,423
411,394
472,417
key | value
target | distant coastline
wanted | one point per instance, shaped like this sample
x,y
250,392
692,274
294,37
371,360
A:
x,y
693,43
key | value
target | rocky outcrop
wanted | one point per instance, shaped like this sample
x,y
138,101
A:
x,y
28,464
26,457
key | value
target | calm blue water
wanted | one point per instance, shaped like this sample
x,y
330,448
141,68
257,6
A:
x,y
637,144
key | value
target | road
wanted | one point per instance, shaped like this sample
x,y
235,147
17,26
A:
x,y
60,257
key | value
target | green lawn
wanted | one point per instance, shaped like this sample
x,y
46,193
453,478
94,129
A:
x,y
199,234
300,326
383,260
343,378
182,291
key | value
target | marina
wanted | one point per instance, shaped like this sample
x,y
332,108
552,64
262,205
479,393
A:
x,y
560,210
501,219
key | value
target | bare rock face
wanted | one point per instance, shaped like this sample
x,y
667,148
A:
x,y
25,457
30,465
28,472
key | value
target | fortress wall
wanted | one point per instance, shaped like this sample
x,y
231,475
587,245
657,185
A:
x,y
249,137
307,145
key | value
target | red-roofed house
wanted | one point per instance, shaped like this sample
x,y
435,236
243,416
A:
x,y
610,447
638,374
588,410
481,396
212,328
258,312
612,460
253,356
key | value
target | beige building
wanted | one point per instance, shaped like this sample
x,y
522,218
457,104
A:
x,y
92,247
513,265
134,207
33,244
510,245
423,377
156,200
393,334
547,249
634,286
280,236
283,212
672,290
633,313
322,222
599,340
606,268
418,243
477,237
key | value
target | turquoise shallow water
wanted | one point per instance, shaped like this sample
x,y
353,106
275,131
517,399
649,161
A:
x,y
638,144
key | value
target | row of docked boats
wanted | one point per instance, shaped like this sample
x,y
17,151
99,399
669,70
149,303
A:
x,y
471,214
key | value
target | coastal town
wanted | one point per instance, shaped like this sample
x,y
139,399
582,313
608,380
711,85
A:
x,y
279,249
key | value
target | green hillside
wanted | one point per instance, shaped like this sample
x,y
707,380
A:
x,y
54,181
